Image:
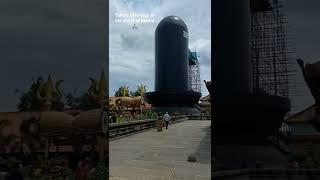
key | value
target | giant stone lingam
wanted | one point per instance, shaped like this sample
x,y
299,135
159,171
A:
x,y
243,119
172,92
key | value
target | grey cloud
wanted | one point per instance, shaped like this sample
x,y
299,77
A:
x,y
129,41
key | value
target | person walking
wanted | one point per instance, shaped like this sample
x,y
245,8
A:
x,y
166,118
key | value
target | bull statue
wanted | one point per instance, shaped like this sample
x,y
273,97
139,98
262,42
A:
x,y
209,88
113,103
130,102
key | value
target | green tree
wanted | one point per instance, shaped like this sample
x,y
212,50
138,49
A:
x,y
71,100
25,101
82,102
87,102
122,91
101,172
140,91
28,99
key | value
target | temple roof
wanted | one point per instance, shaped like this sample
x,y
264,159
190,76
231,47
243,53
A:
x,y
302,117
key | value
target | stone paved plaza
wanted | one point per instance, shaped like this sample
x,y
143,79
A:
x,y
153,155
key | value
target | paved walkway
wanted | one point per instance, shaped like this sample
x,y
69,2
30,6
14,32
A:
x,y
163,155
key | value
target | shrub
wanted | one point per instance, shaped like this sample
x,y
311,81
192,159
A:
x,y
100,172
148,114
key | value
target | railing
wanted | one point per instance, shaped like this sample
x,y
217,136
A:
x,y
123,129
117,130
199,117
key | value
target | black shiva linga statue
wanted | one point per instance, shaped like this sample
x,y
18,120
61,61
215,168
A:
x,y
243,120
172,91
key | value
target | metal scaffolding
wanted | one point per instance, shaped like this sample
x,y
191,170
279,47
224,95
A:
x,y
272,65
194,72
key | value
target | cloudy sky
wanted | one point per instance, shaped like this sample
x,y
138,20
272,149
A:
x,y
65,38
132,50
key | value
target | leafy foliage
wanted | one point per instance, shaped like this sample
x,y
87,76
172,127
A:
x,y
7,163
28,100
148,114
120,119
69,174
58,106
83,102
308,158
25,101
100,172
72,101
140,91
206,111
122,91
86,102
38,168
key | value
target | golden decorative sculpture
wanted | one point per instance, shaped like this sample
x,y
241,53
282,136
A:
x,y
34,127
98,89
47,94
